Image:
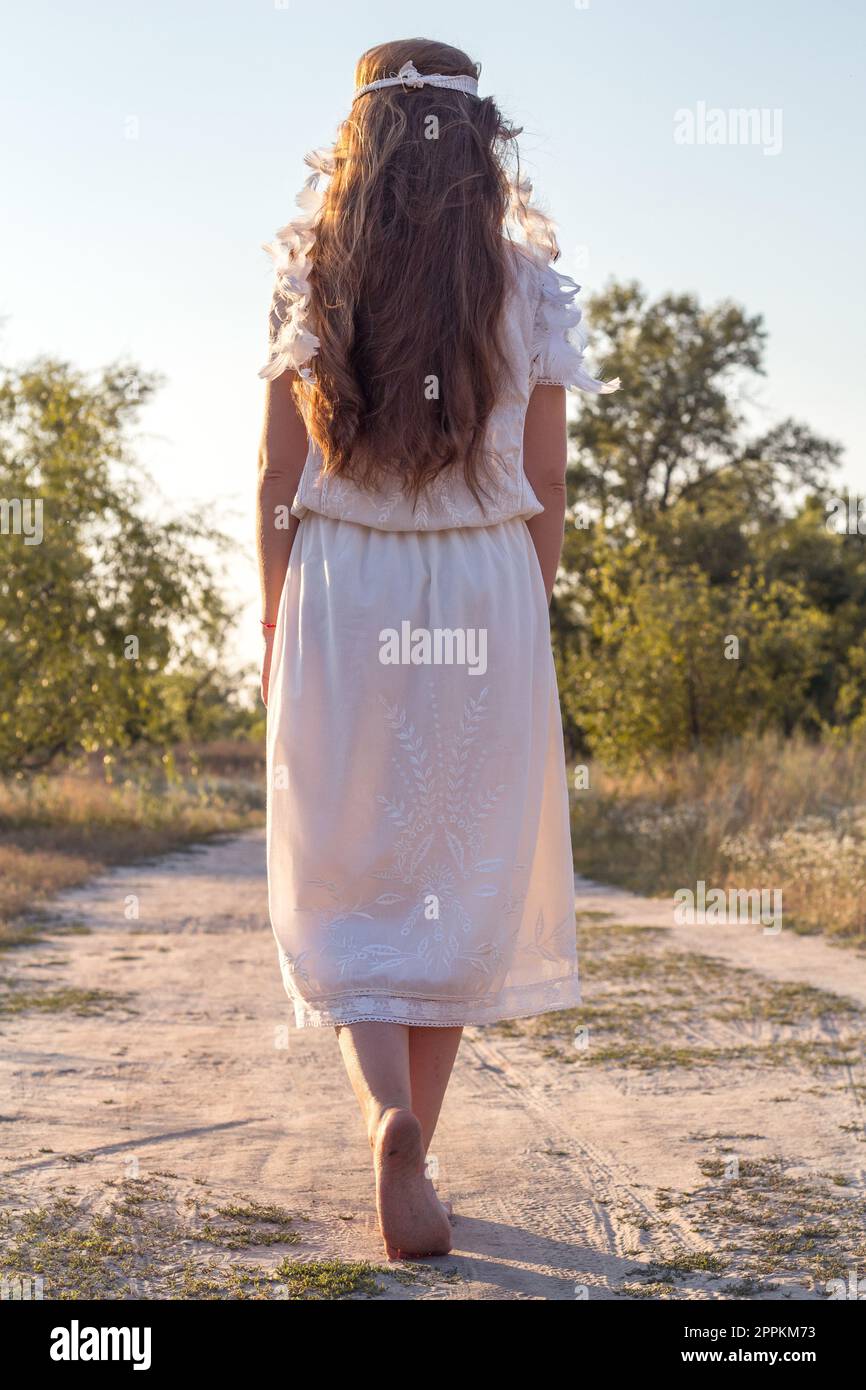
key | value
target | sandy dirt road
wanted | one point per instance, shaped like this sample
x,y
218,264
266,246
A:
x,y
156,1079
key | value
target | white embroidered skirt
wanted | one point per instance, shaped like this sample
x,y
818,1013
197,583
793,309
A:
x,y
419,859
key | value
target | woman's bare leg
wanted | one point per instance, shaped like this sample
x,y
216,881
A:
x,y
412,1219
431,1057
376,1057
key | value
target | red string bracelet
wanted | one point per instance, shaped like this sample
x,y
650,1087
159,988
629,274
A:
x,y
267,625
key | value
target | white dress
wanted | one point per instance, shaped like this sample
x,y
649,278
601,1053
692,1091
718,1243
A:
x,y
419,857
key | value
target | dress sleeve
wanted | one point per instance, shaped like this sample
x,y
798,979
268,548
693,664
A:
x,y
291,343
559,340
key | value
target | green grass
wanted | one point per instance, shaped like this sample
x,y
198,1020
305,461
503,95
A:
x,y
328,1279
248,1224
133,1241
85,1003
656,1009
149,1238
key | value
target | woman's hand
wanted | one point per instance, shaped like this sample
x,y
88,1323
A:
x,y
266,663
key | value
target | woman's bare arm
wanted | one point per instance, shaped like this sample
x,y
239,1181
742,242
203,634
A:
x,y
282,454
544,462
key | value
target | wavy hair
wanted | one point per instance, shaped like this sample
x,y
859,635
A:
x,y
408,273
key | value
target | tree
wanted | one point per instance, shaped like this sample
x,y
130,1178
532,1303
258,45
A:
x,y
112,624
672,508
671,661
677,423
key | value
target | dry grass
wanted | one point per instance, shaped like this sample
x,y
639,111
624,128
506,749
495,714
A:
x,y
768,813
58,830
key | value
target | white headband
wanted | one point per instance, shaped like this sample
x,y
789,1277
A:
x,y
409,76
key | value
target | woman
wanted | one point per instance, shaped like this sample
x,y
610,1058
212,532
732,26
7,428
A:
x,y
411,508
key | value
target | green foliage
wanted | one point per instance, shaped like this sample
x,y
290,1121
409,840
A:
x,y
671,660
113,625
686,534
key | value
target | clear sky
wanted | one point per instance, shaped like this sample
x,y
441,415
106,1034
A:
x,y
149,247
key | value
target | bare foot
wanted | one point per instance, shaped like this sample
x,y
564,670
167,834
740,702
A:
x,y
412,1219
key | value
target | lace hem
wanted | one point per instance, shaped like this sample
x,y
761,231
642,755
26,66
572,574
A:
x,y
524,1001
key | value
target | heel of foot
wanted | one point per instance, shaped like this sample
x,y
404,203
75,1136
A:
x,y
399,1137
411,1217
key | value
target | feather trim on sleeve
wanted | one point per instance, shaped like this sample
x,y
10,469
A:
x,y
292,344
559,340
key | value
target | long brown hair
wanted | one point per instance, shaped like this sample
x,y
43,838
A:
x,y
408,275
